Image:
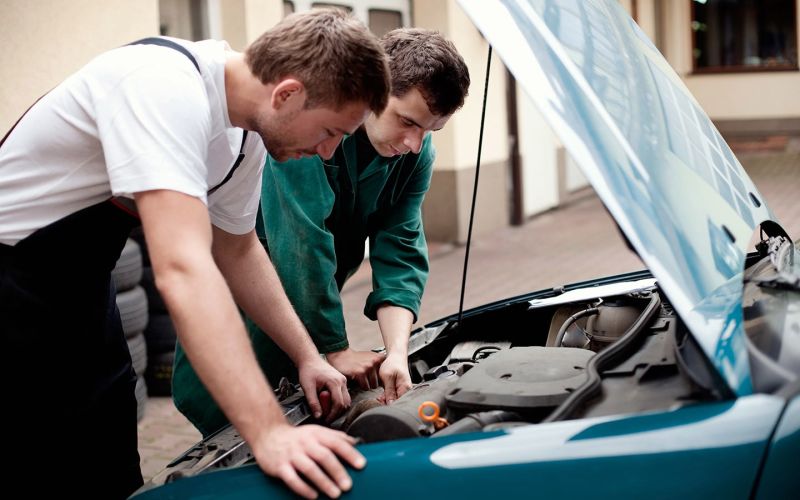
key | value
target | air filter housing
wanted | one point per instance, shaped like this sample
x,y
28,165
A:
x,y
521,379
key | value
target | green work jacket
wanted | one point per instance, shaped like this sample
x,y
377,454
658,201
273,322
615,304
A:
x,y
315,218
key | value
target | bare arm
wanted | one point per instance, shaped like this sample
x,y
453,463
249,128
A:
x,y
395,324
179,237
361,366
367,368
257,289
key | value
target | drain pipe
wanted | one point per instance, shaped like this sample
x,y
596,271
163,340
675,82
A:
x,y
515,162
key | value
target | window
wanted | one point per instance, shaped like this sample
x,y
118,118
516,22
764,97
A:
x,y
744,35
380,15
332,5
187,19
382,21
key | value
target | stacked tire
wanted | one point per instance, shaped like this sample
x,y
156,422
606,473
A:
x,y
160,333
132,305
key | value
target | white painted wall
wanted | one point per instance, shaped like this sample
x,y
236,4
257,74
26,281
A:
x,y
573,177
538,151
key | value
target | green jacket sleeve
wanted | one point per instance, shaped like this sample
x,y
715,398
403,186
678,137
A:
x,y
296,199
398,251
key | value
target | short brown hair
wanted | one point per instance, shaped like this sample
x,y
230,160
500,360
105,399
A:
x,y
335,56
425,60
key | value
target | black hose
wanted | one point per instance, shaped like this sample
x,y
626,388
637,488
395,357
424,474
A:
x,y
475,422
599,362
572,319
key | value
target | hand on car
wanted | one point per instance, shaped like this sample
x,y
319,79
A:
x,y
395,377
317,375
361,366
310,450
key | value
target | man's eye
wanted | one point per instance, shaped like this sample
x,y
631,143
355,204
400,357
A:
x,y
406,123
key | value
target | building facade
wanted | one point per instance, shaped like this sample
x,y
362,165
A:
x,y
738,57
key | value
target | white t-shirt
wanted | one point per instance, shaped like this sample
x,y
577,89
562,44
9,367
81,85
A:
x,y
136,118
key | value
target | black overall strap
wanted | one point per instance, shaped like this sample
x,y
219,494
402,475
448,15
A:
x,y
163,42
235,166
19,120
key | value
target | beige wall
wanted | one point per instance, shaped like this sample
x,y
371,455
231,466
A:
x,y
232,22
44,41
261,15
645,15
747,96
242,21
446,209
457,144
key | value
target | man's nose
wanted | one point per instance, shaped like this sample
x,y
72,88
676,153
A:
x,y
413,140
326,148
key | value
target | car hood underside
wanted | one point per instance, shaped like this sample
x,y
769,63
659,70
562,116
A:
x,y
659,165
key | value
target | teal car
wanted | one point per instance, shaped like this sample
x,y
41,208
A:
x,y
680,381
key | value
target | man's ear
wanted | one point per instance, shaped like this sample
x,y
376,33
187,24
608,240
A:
x,y
289,92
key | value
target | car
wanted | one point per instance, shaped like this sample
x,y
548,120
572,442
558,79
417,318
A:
x,y
678,381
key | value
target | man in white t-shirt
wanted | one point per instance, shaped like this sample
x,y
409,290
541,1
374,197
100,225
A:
x,y
152,132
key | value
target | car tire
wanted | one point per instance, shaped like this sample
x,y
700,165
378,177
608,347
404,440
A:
x,y
141,398
128,270
132,305
137,235
138,349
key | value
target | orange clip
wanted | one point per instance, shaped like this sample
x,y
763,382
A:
x,y
429,413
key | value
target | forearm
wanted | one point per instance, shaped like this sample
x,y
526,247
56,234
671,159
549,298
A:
x,y
257,290
212,333
395,325
201,307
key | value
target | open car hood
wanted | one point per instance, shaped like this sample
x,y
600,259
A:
x,y
651,153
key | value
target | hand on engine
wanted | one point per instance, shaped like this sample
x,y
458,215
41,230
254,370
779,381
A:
x,y
395,377
318,375
361,366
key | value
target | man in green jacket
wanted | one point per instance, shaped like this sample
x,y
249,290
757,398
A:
x,y
317,214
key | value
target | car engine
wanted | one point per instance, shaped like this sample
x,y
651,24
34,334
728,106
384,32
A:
x,y
519,362
608,355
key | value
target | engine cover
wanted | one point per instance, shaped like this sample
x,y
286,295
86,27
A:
x,y
521,379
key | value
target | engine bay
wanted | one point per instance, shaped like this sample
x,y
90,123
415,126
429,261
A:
x,y
603,356
602,350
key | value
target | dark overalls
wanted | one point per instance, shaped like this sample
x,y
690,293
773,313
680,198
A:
x,y
67,380
67,375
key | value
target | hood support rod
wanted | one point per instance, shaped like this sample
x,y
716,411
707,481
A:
x,y
475,188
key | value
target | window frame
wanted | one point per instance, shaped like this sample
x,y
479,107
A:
x,y
741,68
